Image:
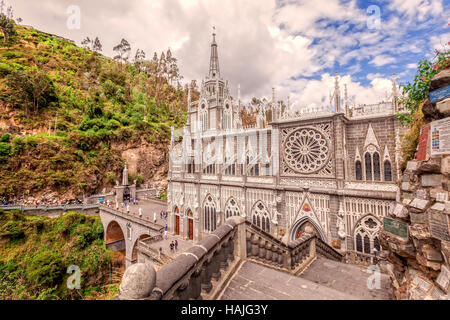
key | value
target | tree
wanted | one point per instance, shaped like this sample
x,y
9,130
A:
x,y
33,90
10,12
7,27
86,43
97,45
123,51
139,58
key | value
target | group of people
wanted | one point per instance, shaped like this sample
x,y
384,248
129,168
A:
x,y
173,246
163,215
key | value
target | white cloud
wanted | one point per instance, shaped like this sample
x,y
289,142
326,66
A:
x,y
382,60
411,66
262,43
417,9
440,42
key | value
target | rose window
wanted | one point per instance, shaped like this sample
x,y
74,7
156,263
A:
x,y
306,150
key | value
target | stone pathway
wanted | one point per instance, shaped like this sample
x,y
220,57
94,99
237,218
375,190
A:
x,y
347,278
164,244
324,280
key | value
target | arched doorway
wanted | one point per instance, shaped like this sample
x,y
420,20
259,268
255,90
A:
x,y
190,216
300,226
177,221
126,194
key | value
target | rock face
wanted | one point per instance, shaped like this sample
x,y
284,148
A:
x,y
137,282
437,110
419,264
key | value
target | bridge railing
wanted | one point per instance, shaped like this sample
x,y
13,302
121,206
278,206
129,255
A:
x,y
133,218
49,208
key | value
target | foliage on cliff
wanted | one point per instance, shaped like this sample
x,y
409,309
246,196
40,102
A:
x,y
97,105
415,93
35,253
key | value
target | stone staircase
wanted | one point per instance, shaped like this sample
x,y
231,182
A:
x,y
324,279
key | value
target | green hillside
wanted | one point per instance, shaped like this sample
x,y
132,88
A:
x,y
101,105
35,253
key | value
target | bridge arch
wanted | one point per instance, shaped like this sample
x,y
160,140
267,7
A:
x,y
301,224
114,232
134,253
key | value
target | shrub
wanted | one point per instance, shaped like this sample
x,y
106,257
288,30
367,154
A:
x,y
5,149
5,138
45,268
12,55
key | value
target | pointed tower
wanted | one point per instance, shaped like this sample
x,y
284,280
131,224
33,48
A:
x,y
337,94
347,113
394,93
214,70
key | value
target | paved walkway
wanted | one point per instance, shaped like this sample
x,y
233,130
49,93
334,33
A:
x,y
347,278
323,280
256,282
149,207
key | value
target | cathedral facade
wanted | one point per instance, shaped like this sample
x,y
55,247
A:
x,y
332,168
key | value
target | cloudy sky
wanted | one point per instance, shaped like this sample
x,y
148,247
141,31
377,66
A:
x,y
295,46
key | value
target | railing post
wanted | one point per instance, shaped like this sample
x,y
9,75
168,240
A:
x,y
216,260
195,288
206,273
312,247
255,245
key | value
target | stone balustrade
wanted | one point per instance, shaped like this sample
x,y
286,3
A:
x,y
293,257
194,274
201,272
327,251
359,258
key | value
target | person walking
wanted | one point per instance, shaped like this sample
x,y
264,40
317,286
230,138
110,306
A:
x,y
165,234
128,209
117,206
171,247
140,213
154,217
176,245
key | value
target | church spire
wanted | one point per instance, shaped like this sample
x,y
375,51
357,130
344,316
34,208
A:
x,y
214,61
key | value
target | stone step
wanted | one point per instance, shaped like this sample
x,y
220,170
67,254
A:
x,y
347,278
257,282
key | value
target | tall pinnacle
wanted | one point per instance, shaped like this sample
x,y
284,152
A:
x,y
214,62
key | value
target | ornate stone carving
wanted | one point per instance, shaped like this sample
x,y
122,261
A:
x,y
308,183
306,150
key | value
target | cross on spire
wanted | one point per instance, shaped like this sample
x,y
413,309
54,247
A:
x,y
214,61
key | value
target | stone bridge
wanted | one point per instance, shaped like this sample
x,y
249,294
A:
x,y
122,232
215,267
54,211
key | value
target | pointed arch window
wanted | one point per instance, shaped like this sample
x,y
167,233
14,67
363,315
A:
x,y
366,235
387,171
261,217
231,209
358,170
204,121
210,217
358,242
376,166
368,163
